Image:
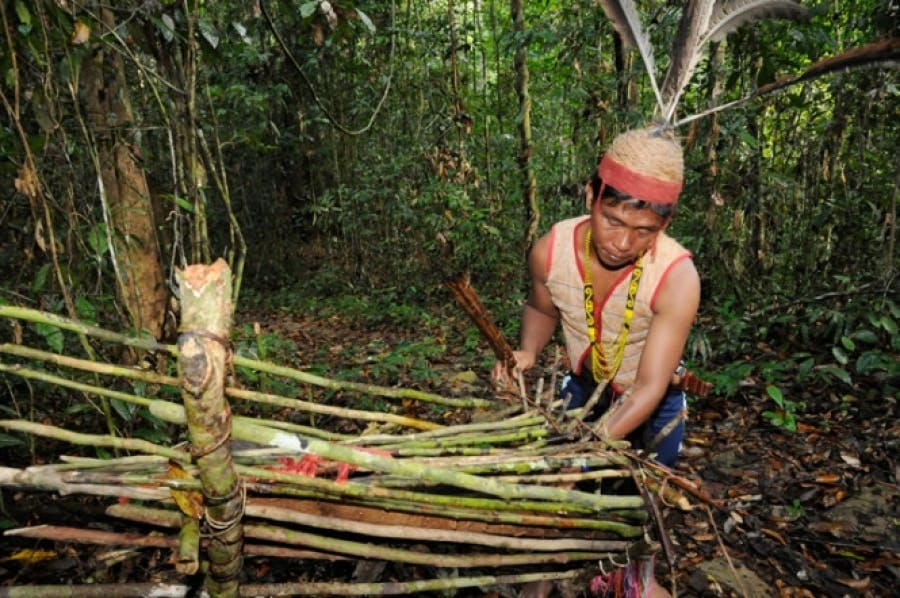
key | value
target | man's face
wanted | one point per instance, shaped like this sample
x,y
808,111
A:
x,y
620,233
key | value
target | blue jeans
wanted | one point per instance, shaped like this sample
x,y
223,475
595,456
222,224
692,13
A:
x,y
581,387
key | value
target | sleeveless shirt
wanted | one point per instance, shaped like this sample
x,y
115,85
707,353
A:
x,y
565,282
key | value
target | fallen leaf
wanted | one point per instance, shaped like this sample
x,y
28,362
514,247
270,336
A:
x,y
835,528
189,501
856,584
32,556
81,33
828,478
774,535
851,460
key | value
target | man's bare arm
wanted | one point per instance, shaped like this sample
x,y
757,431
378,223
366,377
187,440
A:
x,y
674,312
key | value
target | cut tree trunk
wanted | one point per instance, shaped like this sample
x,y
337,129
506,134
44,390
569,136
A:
x,y
204,349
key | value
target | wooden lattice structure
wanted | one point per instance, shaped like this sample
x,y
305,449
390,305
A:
x,y
507,497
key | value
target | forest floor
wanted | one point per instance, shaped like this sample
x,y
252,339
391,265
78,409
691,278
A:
x,y
814,512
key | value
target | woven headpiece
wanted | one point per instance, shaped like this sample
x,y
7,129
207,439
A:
x,y
646,164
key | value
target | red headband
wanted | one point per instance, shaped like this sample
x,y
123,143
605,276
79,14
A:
x,y
637,185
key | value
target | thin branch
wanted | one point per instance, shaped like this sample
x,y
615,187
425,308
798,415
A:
x,y
312,90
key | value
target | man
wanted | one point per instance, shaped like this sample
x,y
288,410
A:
x,y
625,293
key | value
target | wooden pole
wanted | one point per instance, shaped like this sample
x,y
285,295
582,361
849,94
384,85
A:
x,y
204,354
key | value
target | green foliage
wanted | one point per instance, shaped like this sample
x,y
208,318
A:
x,y
795,510
269,347
126,411
7,440
152,428
785,415
409,359
788,204
52,335
727,378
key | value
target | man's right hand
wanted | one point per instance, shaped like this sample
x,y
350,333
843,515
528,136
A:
x,y
522,362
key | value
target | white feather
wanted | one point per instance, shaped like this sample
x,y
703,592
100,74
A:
x,y
727,17
625,19
686,52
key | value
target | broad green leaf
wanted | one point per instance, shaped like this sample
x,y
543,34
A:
x,y
152,435
209,33
775,393
366,20
6,440
308,8
78,408
848,343
53,336
840,355
773,417
157,423
866,336
180,202
839,373
97,239
242,31
889,325
125,410
790,422
747,138
894,309
139,387
85,310
22,13
167,28
806,366
40,279
870,361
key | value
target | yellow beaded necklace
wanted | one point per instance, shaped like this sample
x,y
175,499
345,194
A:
x,y
599,365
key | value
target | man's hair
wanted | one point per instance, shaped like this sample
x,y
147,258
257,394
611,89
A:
x,y
614,197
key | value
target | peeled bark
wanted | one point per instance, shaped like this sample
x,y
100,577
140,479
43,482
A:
x,y
124,191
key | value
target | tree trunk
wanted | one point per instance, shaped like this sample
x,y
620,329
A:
x,y
134,249
716,87
529,182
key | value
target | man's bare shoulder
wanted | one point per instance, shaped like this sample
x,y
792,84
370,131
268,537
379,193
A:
x,y
680,291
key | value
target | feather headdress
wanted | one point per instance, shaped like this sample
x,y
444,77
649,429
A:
x,y
702,21
640,162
